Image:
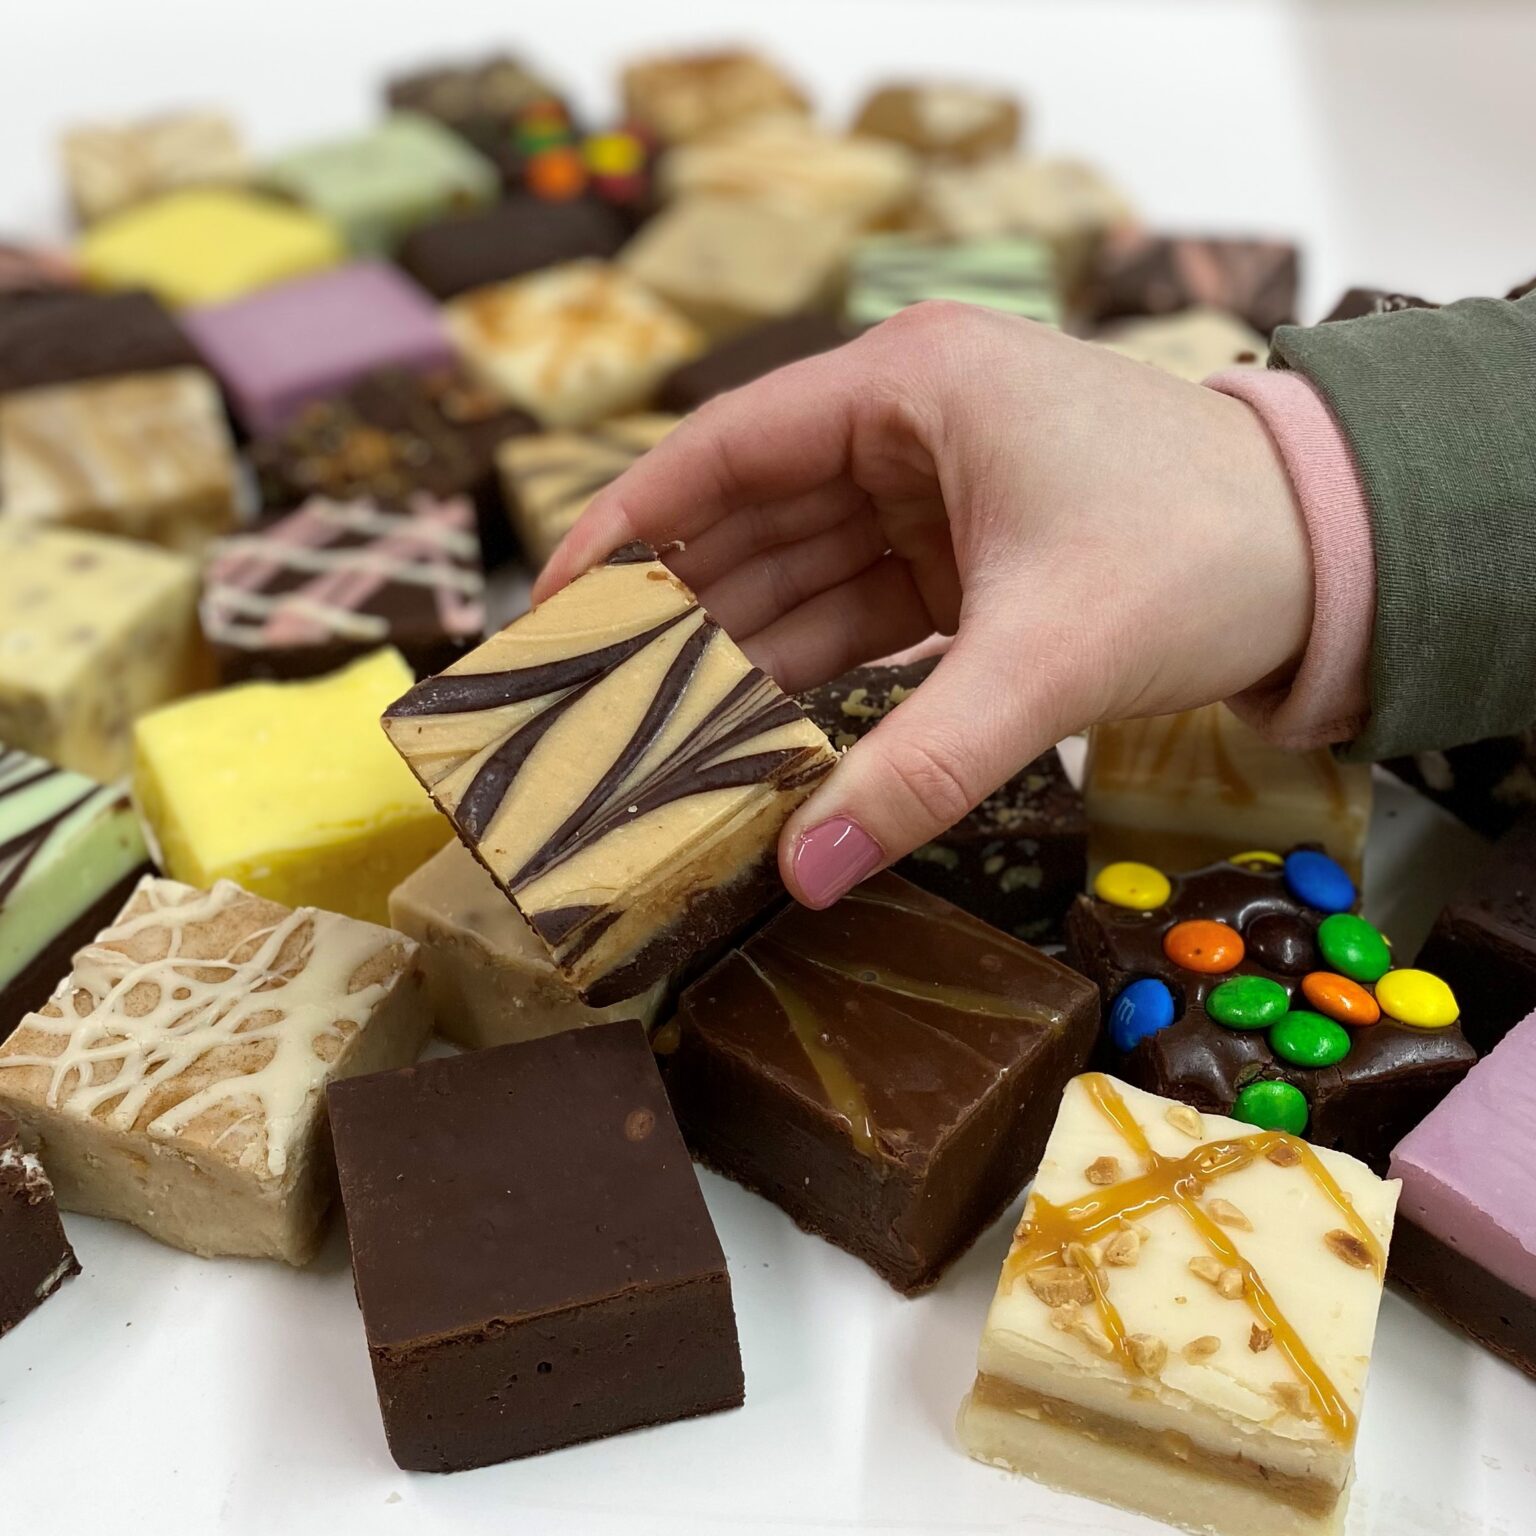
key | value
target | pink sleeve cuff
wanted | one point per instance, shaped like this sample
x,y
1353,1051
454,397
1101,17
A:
x,y
1327,699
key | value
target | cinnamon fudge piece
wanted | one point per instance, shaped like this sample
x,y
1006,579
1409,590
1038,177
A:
x,y
942,120
111,166
533,1258
60,337
1009,272
35,1256
884,1071
620,768
680,97
176,1079
1192,344
747,357
1184,1322
147,456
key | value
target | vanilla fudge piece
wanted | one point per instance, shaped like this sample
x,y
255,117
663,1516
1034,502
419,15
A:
x,y
112,166
620,768
147,456
95,631
1010,272
1180,791
35,1256
572,344
688,96
176,1079
288,789
943,121
549,477
1184,1322
1193,345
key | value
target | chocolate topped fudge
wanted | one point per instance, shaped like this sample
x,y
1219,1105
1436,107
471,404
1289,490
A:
x,y
35,1256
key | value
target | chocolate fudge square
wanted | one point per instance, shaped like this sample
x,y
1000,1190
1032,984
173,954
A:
x,y
58,338
749,356
533,1258
35,1256
885,1071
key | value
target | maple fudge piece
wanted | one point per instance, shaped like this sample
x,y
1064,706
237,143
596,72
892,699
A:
x,y
1184,1321
1356,303
207,246
147,456
1011,273
35,1256
680,97
95,632
34,271
620,768
548,478
1251,988
533,1258
322,586
942,121
481,100
884,1071
1018,860
111,166
1182,790
572,344
70,854
61,337
176,1078
749,356
1466,1231
288,789
1193,344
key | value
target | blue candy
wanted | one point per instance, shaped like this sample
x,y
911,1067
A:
x,y
1318,881
1141,1010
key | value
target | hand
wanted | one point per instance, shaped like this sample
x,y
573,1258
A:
x,y
1102,540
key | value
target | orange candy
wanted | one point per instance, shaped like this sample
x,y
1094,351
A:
x,y
557,174
1199,945
1340,998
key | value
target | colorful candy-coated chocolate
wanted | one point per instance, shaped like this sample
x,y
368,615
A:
x,y
1272,1107
1354,948
1340,998
1308,1039
1281,943
1137,886
1248,1002
1416,997
1199,945
1260,858
1143,1008
1319,881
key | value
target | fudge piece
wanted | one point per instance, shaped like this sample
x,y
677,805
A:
x,y
176,1079
60,337
30,271
620,768
1017,860
377,186
730,264
1466,1231
518,236
1192,344
147,456
96,631
549,478
1359,302
533,1258
207,246
680,97
1487,784
1251,988
35,1256
747,357
1011,273
1184,1321
572,344
70,854
489,980
1182,790
942,121
318,588
111,166
884,1071
480,101
276,351
1520,290
288,789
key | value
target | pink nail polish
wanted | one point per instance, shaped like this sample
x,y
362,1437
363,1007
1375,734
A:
x,y
832,858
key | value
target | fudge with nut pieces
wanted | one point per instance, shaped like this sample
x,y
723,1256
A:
x,y
35,1256
112,166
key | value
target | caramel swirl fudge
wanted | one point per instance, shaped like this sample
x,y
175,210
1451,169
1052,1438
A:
x,y
1184,1321
176,1079
620,768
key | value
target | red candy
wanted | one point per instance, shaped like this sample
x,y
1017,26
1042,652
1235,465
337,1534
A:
x,y
1207,947
1340,998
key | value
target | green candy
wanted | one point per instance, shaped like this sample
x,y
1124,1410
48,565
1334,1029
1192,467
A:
x,y
1248,1002
1354,948
1308,1039
1272,1107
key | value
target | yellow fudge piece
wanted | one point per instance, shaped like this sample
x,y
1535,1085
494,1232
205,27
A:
x,y
289,789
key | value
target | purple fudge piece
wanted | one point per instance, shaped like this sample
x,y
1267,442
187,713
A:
x,y
285,346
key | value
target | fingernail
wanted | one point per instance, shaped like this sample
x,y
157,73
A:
x,y
832,858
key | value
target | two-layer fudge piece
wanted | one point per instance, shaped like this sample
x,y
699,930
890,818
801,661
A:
x,y
884,1071
942,121
1251,988
60,337
749,356
680,97
1184,1321
1019,859
70,854
1193,344
533,1258
620,768
176,1078
111,166
1466,1230
35,1256
1013,273
288,789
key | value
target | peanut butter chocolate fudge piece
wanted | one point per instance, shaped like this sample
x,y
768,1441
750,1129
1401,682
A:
x,y
35,1256
1184,1322
57,338
176,1078
942,121
531,1252
112,166
884,1071
620,768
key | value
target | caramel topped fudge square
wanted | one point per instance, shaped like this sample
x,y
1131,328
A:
x,y
176,1079
112,166
620,768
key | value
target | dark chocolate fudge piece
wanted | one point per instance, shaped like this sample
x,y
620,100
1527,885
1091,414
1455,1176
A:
x,y
749,356
886,1071
1359,302
58,338
1487,784
35,1256
1019,859
532,1255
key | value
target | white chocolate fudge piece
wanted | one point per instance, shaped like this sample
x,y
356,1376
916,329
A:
x,y
176,1079
688,95
1184,1321
112,166
1192,344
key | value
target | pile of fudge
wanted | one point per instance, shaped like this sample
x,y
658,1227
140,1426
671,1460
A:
x,y
278,802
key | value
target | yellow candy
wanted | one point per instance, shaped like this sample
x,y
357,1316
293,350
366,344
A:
x,y
1137,886
1416,997
1258,856
614,154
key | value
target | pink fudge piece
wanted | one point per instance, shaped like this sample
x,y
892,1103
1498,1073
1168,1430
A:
x,y
285,346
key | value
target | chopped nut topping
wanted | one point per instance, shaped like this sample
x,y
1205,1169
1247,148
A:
x,y
1066,1317
1149,1354
1094,1337
1202,1348
1182,1118
1259,1339
1292,1397
1123,1249
1283,1155
1230,1283
1059,1286
1206,1267
1346,1246
1085,1255
1228,1215
1103,1170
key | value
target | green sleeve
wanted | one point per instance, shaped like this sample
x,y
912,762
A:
x,y
1439,407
